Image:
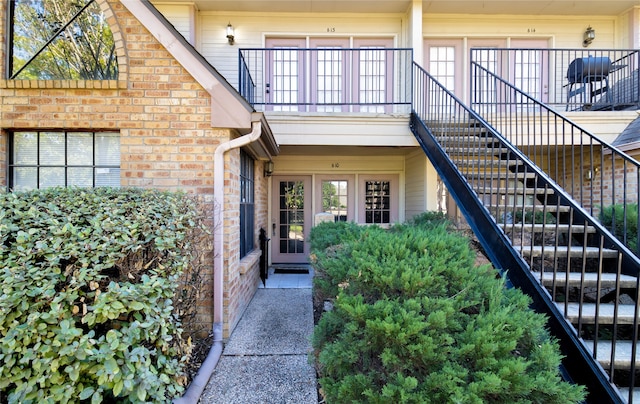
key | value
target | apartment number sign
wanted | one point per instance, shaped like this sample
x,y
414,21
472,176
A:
x,y
331,29
335,165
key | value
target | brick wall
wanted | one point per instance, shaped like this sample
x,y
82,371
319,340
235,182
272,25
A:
x,y
164,119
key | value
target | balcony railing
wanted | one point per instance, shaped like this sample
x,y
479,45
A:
x,y
367,80
568,79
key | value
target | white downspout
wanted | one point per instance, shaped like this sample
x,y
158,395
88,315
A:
x,y
199,382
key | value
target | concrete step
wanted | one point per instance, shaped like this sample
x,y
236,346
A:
x,y
531,208
564,251
589,279
625,315
635,395
515,191
623,353
499,175
550,227
489,164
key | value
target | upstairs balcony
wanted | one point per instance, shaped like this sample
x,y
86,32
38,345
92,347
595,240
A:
x,y
327,80
565,79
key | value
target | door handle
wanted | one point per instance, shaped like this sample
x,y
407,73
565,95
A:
x,y
273,229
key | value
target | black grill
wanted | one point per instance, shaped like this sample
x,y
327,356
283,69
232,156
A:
x,y
584,70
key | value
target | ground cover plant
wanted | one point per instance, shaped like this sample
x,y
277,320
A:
x,y
415,321
92,293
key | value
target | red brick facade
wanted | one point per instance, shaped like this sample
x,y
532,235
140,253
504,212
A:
x,y
163,116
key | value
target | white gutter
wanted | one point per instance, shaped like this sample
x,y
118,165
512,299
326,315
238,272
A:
x,y
199,382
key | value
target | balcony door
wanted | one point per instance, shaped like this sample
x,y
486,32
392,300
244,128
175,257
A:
x,y
330,69
329,74
285,74
529,68
373,75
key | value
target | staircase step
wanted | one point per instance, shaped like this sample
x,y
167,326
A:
x,y
589,279
624,392
466,139
474,150
438,125
517,191
531,208
549,227
622,357
499,175
489,164
625,315
564,251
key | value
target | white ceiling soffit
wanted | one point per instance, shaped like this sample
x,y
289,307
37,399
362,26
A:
x,y
527,7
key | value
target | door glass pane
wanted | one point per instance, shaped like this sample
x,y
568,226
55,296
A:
x,y
291,230
377,202
488,58
285,79
334,199
330,75
442,65
372,79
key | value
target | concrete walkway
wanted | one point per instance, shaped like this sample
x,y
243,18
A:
x,y
267,357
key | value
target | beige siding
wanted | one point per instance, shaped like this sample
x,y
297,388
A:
x,y
182,17
251,30
564,32
416,185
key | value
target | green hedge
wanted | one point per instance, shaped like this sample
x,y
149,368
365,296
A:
x,y
86,305
622,221
414,321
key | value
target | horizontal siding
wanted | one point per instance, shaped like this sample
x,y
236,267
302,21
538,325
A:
x,y
251,31
285,164
415,184
564,32
181,17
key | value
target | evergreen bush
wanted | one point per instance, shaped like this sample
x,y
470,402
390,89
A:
x,y
89,280
414,321
622,221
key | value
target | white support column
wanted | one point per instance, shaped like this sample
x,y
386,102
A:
x,y
415,18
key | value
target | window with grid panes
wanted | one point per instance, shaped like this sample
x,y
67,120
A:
x,y
41,159
247,204
377,202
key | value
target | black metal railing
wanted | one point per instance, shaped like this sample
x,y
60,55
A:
x,y
370,80
568,79
572,267
602,179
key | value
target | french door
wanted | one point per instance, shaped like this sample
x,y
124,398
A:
x,y
291,220
285,74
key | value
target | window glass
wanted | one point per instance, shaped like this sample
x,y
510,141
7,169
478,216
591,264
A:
x,y
61,39
377,202
80,146
246,204
48,159
107,149
334,199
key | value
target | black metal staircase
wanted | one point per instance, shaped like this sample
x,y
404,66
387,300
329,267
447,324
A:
x,y
536,233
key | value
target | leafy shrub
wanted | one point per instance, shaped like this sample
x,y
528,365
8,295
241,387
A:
x,y
414,321
430,219
88,283
623,223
